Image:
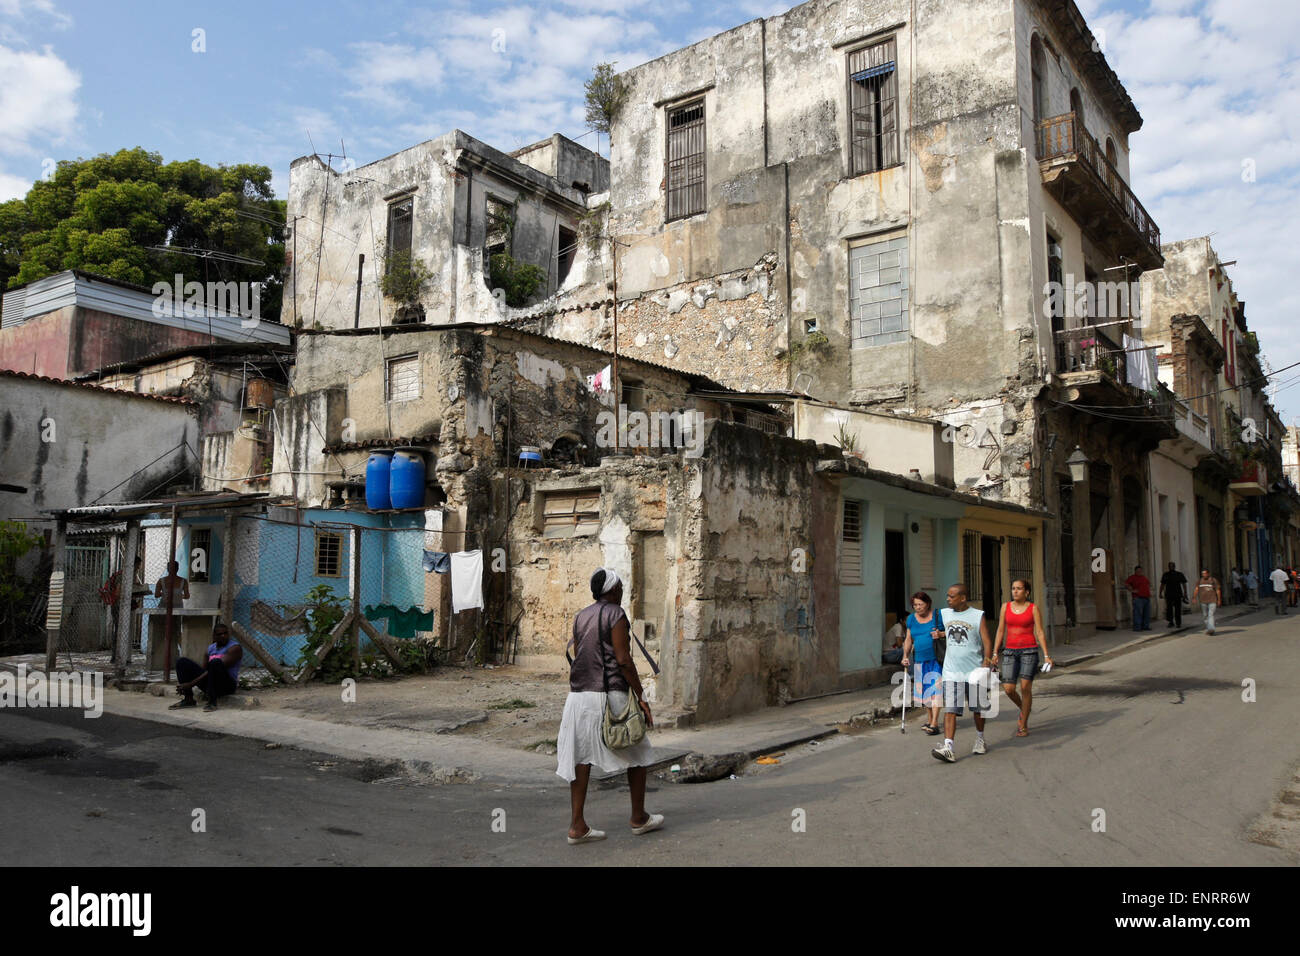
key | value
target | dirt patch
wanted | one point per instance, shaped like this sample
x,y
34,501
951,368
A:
x,y
506,705
1279,826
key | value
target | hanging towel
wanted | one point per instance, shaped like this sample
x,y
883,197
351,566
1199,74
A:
x,y
438,562
466,580
381,612
406,623
602,381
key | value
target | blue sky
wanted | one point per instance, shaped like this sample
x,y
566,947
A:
x,y
1216,81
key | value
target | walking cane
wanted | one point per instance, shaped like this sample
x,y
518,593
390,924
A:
x,y
902,724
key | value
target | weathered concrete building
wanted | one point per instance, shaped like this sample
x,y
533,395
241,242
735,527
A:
x,y
866,203
1239,509
427,234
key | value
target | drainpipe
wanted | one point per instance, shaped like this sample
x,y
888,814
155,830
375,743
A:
x,y
356,313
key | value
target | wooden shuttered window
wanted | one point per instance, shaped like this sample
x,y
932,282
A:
x,y
873,107
925,547
571,514
851,544
685,160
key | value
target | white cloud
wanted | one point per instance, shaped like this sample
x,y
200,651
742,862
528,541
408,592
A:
x,y
384,73
1216,84
38,99
31,9
14,187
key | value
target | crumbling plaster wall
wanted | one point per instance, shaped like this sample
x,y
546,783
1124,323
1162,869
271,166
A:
x,y
550,576
449,180
734,642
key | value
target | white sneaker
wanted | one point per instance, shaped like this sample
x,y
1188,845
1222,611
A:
x,y
980,747
654,823
943,753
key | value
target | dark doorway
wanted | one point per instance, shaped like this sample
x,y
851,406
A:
x,y
991,577
1065,494
895,577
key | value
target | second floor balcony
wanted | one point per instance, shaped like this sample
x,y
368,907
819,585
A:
x,y
1093,372
1077,173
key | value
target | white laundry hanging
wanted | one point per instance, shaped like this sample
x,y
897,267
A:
x,y
466,580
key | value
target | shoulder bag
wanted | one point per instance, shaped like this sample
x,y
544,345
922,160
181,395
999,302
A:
x,y
622,730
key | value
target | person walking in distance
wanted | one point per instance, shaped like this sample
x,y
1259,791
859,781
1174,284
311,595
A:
x,y
1173,588
1293,595
602,658
1252,587
966,631
1019,643
1207,595
1279,579
1139,585
924,625
1238,592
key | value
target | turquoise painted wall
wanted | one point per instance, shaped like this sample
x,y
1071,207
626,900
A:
x,y
862,606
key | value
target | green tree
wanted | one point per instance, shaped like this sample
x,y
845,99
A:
x,y
102,214
605,97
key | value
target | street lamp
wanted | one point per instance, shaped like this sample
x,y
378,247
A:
x,y
1078,463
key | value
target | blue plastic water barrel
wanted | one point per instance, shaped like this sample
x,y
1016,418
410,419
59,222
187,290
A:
x,y
406,480
378,468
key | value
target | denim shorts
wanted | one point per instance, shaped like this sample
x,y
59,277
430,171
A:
x,y
957,693
1018,663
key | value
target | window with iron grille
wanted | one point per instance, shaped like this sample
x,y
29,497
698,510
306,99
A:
x,y
873,108
402,381
500,226
972,572
399,230
851,544
685,160
329,554
200,541
1021,557
571,514
925,548
878,292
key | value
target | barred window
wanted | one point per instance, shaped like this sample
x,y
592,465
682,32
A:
x,y
200,554
972,572
499,226
571,514
1022,560
851,544
873,108
329,554
402,379
399,229
925,547
685,153
878,292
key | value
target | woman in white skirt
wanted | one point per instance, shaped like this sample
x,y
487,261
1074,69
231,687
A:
x,y
602,658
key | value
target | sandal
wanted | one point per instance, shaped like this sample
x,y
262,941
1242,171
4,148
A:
x,y
930,729
1021,729
591,836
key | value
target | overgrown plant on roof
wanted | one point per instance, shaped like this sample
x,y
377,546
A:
x,y
518,281
606,95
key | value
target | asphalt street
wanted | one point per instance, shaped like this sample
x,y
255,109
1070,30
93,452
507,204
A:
x,y
1158,739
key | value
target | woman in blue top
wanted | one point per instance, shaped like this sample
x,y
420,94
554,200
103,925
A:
x,y
922,625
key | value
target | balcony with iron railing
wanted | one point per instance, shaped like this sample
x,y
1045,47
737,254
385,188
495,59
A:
x,y
1077,173
1092,369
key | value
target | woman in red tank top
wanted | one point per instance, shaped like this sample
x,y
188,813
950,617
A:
x,y
1019,643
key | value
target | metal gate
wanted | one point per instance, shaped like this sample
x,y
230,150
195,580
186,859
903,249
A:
x,y
85,617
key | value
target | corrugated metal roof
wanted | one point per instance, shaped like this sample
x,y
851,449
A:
x,y
89,291
97,388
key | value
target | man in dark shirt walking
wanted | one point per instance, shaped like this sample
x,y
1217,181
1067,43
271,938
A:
x,y
1173,588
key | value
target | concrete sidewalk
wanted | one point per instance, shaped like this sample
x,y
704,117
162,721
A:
x,y
448,758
